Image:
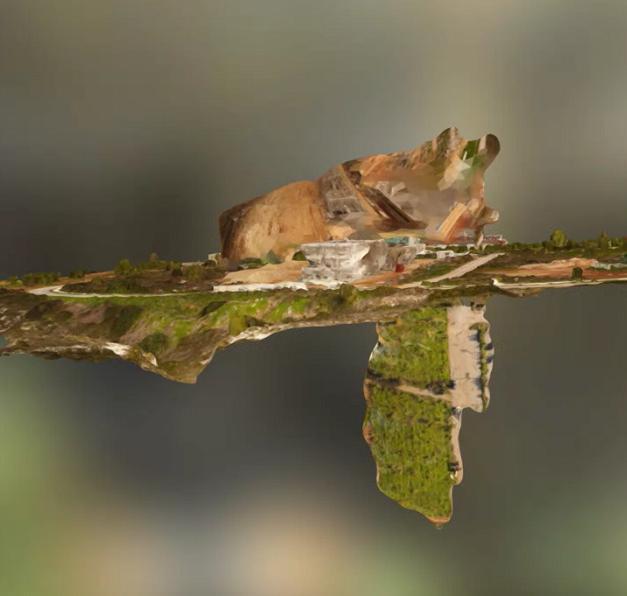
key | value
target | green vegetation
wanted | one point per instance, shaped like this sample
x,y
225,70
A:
x,y
558,239
434,270
604,242
482,332
414,348
559,244
106,285
151,276
181,316
411,441
604,249
122,318
577,273
154,263
183,331
124,267
254,263
195,272
272,258
35,279
411,436
14,282
154,343
40,279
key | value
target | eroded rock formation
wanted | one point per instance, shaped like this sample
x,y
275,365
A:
x,y
435,191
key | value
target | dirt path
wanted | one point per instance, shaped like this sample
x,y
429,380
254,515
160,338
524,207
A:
x,y
457,272
563,283
56,291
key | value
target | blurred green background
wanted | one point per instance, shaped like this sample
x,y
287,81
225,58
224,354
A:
x,y
128,126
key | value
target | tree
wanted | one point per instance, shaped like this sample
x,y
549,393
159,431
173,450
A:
x,y
558,239
124,267
604,241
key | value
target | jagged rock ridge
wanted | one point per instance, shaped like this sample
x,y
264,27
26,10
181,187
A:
x,y
435,191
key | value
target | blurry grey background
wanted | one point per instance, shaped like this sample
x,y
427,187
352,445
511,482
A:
x,y
127,126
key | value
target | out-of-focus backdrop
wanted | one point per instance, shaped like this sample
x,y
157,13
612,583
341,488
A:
x,y
127,126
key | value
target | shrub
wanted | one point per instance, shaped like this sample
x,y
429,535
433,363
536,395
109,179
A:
x,y
40,279
603,241
577,273
194,272
122,318
272,258
558,239
154,263
15,281
154,343
345,296
124,267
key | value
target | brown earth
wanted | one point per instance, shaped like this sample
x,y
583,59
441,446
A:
x,y
435,191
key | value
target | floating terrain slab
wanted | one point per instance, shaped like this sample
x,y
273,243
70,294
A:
x,y
433,358
394,239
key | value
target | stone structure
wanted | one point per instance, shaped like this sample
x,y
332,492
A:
x,y
349,260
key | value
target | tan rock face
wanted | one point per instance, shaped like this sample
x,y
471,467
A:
x,y
435,191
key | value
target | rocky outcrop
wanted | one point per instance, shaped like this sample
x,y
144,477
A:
x,y
435,191
277,222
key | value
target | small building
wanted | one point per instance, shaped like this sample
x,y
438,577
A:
x,y
349,260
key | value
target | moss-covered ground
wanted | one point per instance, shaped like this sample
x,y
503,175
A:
x,y
414,348
177,333
411,441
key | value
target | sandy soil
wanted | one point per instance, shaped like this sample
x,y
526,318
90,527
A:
x,y
269,274
554,269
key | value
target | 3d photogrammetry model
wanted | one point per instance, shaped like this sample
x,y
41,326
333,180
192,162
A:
x,y
395,239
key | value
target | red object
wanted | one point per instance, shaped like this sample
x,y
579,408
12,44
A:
x,y
399,268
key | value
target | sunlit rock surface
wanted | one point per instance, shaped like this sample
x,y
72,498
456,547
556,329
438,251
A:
x,y
427,366
435,191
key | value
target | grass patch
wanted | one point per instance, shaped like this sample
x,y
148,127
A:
x,y
434,270
414,348
411,442
122,318
154,343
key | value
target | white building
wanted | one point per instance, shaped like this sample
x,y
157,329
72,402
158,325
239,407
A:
x,y
349,260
